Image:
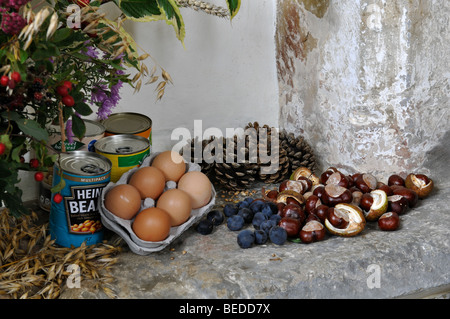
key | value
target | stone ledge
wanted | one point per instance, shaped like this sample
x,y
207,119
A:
x,y
412,261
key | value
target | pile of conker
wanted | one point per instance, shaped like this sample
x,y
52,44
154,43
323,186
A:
x,y
341,204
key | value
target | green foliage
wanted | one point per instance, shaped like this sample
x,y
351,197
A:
x,y
95,57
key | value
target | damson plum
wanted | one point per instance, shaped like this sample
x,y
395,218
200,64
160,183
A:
x,y
205,227
235,222
278,235
246,238
230,210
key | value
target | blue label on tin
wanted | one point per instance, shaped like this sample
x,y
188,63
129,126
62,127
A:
x,y
77,218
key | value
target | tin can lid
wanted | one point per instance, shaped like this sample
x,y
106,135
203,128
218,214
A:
x,y
93,128
84,163
127,123
122,144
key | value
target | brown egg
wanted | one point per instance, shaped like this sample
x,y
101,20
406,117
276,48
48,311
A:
x,y
198,186
177,204
149,181
171,164
123,200
152,224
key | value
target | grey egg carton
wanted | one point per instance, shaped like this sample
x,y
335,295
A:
x,y
123,227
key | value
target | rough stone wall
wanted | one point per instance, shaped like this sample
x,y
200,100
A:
x,y
366,82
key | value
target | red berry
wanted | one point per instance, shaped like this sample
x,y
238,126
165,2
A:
x,y
39,176
81,3
57,198
12,84
34,163
4,80
67,84
16,77
68,100
38,96
38,80
62,90
2,148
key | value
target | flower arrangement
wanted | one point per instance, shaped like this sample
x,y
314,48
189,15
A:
x,y
63,60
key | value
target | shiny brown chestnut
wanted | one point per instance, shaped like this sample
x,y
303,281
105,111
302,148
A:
x,y
366,182
356,195
291,225
312,217
305,172
322,212
294,211
307,183
324,176
312,231
397,204
319,190
272,194
312,203
337,218
389,221
420,183
396,179
339,179
288,184
335,194
410,195
387,189
366,201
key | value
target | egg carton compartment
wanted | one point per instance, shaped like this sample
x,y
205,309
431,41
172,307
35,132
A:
x,y
123,227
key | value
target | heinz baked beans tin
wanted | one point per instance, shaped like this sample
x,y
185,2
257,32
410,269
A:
x,y
125,152
76,219
128,123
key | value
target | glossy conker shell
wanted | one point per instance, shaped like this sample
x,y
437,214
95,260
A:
x,y
335,194
337,218
410,195
397,204
389,221
396,180
291,225
419,183
312,231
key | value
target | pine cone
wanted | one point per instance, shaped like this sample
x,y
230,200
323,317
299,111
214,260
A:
x,y
239,168
266,164
299,152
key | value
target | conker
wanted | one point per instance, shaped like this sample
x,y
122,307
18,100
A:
x,y
335,194
387,189
389,221
324,176
410,195
366,183
337,218
322,212
397,204
312,231
396,180
339,179
291,225
294,211
419,183
312,203
307,183
366,201
319,190
291,185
